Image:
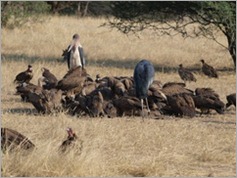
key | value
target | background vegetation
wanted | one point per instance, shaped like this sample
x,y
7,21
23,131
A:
x,y
165,18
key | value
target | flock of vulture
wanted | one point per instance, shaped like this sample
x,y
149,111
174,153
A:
x,y
77,93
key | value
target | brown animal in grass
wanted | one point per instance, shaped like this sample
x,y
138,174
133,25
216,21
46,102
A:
x,y
39,101
206,99
91,105
75,78
106,92
231,100
88,88
54,98
185,74
25,88
110,109
96,107
46,101
208,70
172,88
116,85
206,92
127,106
180,105
69,142
11,139
169,84
24,77
156,98
49,79
156,84
128,82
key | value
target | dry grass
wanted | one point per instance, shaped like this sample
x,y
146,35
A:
x,y
202,146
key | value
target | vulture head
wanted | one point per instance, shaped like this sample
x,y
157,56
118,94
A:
x,y
71,134
180,65
30,69
202,61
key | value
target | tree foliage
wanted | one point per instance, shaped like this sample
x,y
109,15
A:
x,y
80,8
191,19
19,12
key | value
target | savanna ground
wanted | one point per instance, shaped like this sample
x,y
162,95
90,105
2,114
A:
x,y
201,146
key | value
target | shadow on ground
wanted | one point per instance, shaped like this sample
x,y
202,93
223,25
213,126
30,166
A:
x,y
18,111
128,64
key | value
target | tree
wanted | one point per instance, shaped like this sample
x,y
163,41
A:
x,y
80,8
19,12
205,18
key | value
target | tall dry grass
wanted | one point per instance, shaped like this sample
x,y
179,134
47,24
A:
x,y
47,40
201,146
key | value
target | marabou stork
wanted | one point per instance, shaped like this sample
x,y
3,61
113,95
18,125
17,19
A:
x,y
75,54
144,73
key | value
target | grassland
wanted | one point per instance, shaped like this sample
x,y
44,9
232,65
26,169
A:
x,y
201,146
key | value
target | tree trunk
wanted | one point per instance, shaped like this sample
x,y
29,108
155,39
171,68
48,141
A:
x,y
231,38
86,8
232,50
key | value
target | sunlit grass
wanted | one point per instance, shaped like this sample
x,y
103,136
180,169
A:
x,y
201,146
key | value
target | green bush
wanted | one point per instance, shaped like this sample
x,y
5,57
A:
x,y
15,14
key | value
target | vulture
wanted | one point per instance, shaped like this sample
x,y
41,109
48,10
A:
x,y
127,106
110,110
106,92
69,142
117,86
39,100
88,87
181,104
73,80
25,76
231,100
49,79
128,82
11,139
185,74
156,98
209,92
206,99
74,54
46,101
208,70
172,88
25,88
96,107
90,104
98,78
